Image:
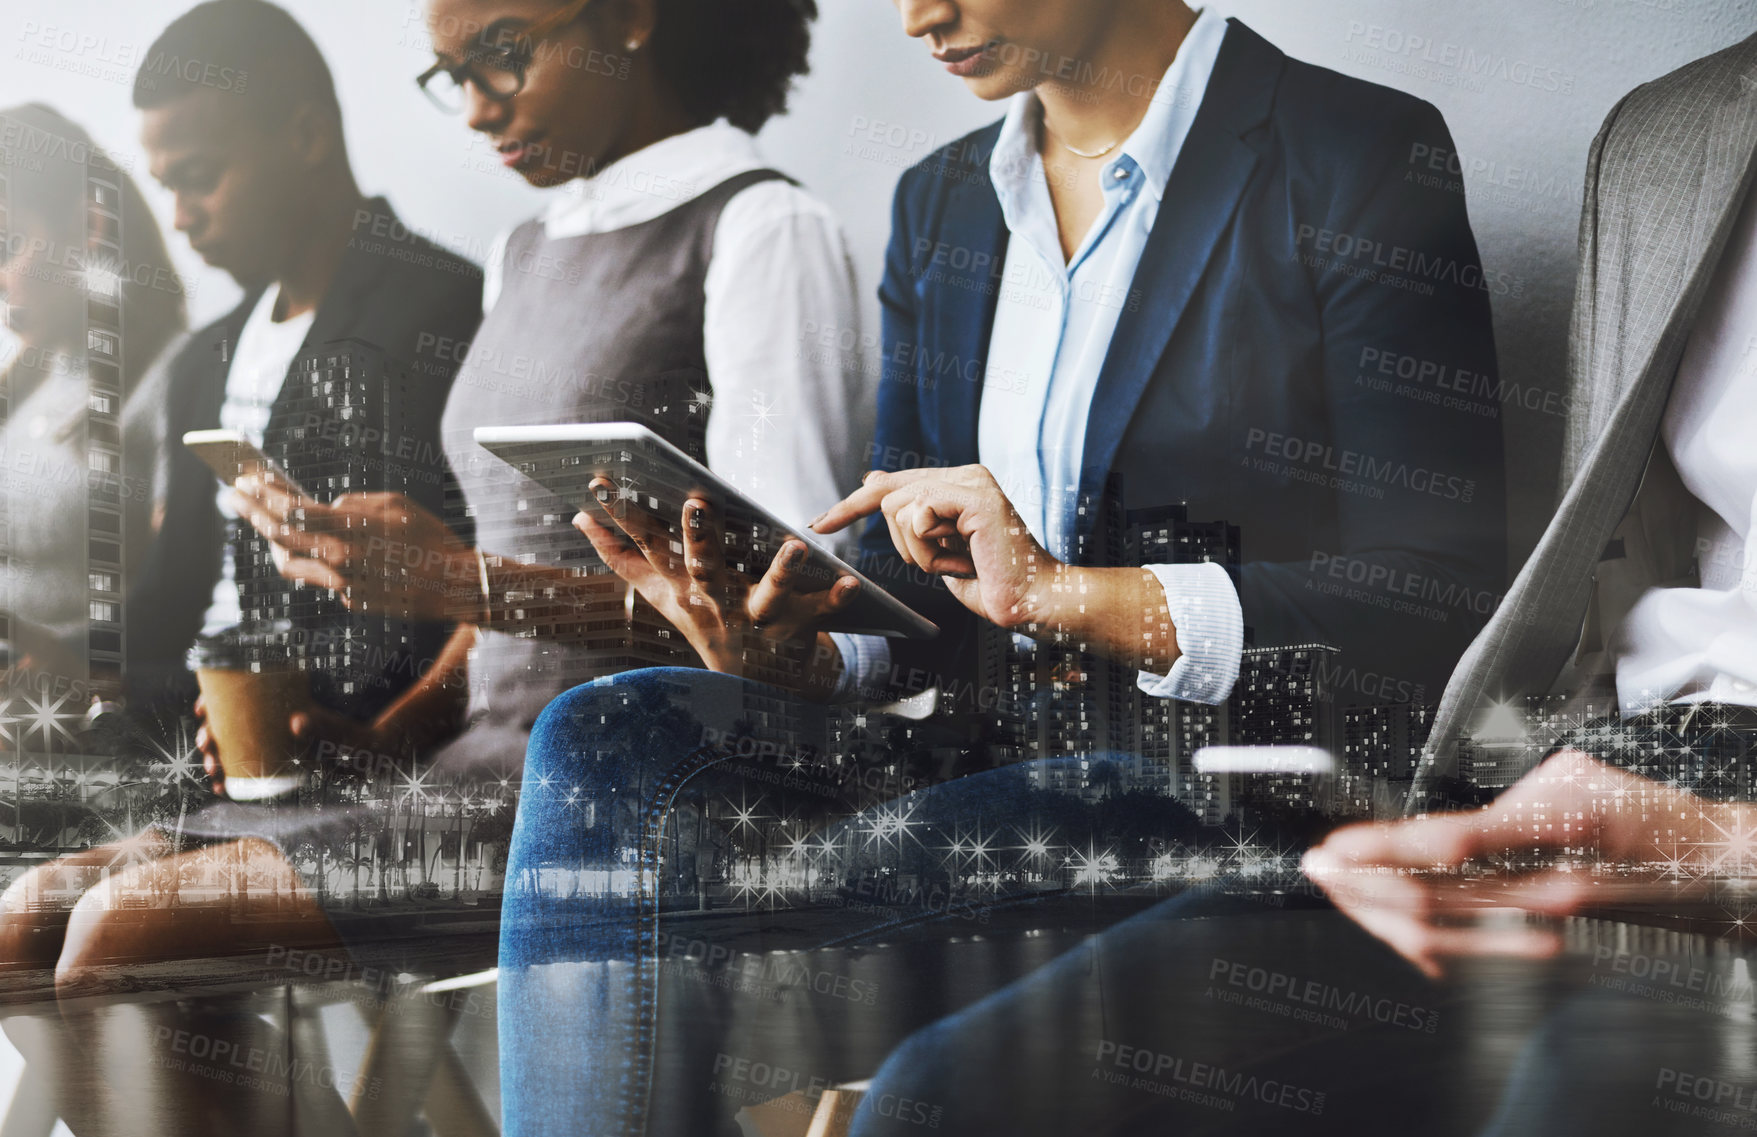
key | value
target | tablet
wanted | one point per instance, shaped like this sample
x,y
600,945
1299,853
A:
x,y
652,475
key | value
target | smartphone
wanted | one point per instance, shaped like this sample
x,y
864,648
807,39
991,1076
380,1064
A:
x,y
231,455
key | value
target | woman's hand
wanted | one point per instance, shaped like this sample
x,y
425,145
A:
x,y
719,611
380,551
1573,834
959,525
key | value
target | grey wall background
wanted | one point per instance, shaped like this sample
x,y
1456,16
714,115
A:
x,y
1523,83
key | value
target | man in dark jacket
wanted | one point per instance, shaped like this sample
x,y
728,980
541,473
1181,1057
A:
x,y
329,363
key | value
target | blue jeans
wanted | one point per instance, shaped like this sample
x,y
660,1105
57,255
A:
x,y
630,1005
627,1004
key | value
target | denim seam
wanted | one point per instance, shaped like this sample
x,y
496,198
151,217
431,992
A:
x,y
647,925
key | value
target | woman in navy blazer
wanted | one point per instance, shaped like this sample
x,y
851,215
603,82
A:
x,y
1305,352
1274,313
1184,269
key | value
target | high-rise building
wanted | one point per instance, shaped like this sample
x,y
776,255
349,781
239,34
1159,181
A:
x,y
1200,725
1384,740
346,423
1513,737
104,514
1057,699
1284,697
1381,745
1157,733
83,452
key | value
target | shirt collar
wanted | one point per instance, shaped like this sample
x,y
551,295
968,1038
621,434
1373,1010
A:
x,y
1159,139
1155,144
652,181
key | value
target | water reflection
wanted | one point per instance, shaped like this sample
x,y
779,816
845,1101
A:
x,y
261,1055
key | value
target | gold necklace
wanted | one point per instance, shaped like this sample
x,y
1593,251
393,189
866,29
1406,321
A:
x,y
1075,151
1089,154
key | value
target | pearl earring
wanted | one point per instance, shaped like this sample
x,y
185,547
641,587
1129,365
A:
x,y
633,45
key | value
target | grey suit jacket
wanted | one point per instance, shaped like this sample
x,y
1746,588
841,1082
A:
x,y
1665,179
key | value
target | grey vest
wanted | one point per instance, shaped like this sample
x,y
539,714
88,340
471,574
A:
x,y
600,328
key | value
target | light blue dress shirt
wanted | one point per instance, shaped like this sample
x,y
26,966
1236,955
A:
x,y
1053,325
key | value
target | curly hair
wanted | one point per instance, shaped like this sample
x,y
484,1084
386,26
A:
x,y
733,59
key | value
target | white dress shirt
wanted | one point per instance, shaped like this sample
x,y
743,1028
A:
x,y
1053,326
1700,644
794,406
260,361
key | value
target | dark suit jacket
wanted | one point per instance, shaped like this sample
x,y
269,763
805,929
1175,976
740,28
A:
x,y
393,290
1307,354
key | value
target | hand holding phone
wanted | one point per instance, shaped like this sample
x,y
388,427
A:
x,y
231,455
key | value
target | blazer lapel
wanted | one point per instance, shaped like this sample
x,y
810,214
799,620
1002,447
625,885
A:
x,y
1732,149
1201,197
964,318
343,306
1659,241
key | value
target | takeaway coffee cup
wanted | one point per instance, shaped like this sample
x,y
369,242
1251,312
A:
x,y
253,678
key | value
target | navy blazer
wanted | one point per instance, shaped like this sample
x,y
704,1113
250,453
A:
x,y
1307,354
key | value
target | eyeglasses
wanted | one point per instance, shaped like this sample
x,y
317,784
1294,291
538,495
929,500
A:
x,y
497,64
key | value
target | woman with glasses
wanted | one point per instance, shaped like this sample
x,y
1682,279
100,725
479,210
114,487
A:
x,y
675,280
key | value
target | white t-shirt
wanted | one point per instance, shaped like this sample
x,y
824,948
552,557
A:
x,y
260,362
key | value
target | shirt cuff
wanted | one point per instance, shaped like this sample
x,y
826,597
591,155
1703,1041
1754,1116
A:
x,y
1210,627
866,666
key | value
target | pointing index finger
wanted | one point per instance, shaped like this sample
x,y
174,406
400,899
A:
x,y
865,501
